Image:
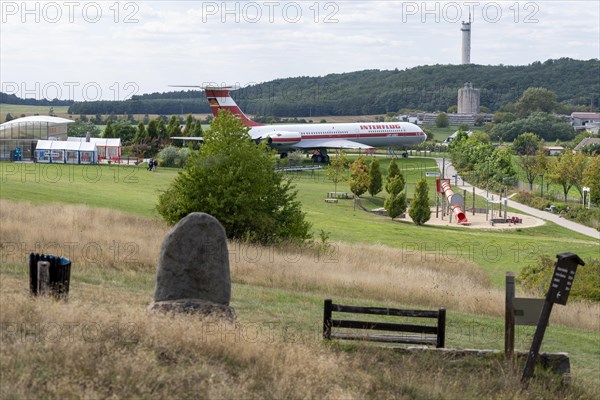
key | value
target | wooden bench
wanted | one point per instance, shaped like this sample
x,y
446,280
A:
x,y
340,195
419,334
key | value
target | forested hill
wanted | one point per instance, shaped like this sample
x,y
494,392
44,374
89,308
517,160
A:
x,y
428,88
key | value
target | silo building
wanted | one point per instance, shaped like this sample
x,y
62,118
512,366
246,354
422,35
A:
x,y
468,99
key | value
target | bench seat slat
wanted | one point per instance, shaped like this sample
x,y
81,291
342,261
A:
x,y
384,326
385,338
384,311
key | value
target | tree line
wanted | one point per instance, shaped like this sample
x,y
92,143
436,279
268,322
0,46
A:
x,y
427,88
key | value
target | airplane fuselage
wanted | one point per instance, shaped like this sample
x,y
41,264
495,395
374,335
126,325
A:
x,y
375,134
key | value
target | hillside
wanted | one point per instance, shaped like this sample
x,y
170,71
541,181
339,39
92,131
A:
x,y
428,88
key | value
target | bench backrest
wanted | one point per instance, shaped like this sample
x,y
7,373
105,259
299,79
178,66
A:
x,y
437,333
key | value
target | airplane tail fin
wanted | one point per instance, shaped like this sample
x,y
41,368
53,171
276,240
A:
x,y
219,98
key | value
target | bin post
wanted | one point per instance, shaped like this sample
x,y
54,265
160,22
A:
x,y
43,278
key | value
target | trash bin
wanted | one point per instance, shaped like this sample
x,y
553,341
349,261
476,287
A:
x,y
49,274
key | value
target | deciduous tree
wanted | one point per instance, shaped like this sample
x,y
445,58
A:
x,y
234,180
359,177
335,169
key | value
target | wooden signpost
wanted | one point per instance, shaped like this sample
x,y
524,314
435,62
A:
x,y
560,286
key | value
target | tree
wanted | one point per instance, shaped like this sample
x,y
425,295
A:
x,y
234,180
140,133
174,128
536,99
189,126
376,180
526,144
395,204
441,121
547,126
578,167
124,130
335,170
591,179
359,177
81,129
393,171
108,130
430,135
152,129
419,207
529,166
561,171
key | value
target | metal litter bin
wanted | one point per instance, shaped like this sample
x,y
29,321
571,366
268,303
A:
x,y
49,274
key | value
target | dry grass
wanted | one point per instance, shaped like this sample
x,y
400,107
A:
x,y
112,240
103,344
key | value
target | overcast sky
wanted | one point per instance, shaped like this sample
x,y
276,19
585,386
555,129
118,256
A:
x,y
89,50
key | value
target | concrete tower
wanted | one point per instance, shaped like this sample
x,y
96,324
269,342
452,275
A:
x,y
468,99
466,41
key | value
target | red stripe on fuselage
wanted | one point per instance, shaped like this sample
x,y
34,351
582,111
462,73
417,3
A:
x,y
358,136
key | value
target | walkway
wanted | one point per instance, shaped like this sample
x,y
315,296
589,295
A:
x,y
574,226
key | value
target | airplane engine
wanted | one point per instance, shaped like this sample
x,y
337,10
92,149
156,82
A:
x,y
282,139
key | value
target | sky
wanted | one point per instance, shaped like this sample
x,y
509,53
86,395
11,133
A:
x,y
110,50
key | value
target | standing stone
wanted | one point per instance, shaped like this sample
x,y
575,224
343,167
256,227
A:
x,y
193,268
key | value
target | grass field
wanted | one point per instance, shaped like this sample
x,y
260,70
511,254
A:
x,y
15,110
375,261
134,190
275,349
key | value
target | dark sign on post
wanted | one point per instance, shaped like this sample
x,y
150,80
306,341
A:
x,y
563,276
562,279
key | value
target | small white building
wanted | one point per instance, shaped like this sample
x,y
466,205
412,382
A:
x,y
108,148
554,150
64,152
585,118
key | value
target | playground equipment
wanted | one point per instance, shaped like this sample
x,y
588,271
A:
x,y
454,200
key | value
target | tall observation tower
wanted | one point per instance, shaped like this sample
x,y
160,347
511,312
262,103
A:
x,y
466,41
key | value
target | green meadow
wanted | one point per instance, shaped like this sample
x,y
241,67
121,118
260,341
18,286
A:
x,y
263,296
134,190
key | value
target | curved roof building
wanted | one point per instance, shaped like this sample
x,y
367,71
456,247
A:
x,y
21,135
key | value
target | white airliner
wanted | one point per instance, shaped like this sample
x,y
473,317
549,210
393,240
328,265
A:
x,y
317,137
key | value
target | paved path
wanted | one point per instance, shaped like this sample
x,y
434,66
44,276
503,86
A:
x,y
574,226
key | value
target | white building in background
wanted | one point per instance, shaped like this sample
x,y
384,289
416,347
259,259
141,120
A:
x,y
108,148
64,152
22,134
468,99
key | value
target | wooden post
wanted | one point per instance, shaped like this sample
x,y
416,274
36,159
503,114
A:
x,y
473,200
43,278
536,344
441,336
509,315
327,319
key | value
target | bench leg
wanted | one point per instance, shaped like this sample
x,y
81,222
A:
x,y
441,336
327,310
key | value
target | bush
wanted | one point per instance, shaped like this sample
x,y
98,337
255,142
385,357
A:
x,y
173,156
395,205
586,286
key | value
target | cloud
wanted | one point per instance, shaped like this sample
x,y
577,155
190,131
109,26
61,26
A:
x,y
157,43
